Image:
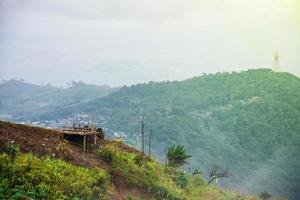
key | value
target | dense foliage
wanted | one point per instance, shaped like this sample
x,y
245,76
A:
x,y
157,180
248,122
28,177
135,169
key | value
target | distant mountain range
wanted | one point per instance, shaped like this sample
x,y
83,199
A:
x,y
248,122
21,100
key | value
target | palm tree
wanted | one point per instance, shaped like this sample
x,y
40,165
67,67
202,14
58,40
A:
x,y
177,156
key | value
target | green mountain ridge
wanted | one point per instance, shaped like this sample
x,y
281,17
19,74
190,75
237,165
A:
x,y
248,122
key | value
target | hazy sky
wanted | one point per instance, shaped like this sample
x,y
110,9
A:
x,y
119,42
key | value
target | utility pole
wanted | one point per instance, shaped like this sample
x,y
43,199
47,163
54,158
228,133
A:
x,y
149,147
142,132
95,122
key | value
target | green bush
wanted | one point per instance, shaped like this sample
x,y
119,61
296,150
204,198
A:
x,y
181,179
126,169
264,195
138,159
108,155
34,178
12,149
164,193
135,169
130,197
199,181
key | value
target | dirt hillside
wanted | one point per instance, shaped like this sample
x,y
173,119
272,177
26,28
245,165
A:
x,y
47,142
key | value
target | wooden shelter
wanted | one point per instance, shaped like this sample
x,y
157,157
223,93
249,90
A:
x,y
85,135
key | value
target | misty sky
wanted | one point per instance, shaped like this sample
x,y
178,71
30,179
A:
x,y
119,42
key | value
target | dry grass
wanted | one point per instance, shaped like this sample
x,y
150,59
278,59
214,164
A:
x,y
45,142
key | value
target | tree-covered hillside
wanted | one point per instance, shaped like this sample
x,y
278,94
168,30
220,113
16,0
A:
x,y
248,122
21,100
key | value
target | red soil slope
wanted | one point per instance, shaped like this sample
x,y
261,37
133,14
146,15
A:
x,y
47,142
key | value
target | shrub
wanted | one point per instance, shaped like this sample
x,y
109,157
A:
x,y
126,169
265,195
164,193
108,155
12,149
181,179
34,178
199,181
135,169
130,197
138,159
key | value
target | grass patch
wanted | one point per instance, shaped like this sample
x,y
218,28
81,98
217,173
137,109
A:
x,y
29,177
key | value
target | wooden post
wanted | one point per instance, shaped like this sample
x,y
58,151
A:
x,y
95,139
84,143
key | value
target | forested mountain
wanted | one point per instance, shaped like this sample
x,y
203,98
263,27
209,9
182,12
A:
x,y
248,122
21,100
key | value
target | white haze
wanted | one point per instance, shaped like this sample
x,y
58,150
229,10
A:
x,y
119,42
